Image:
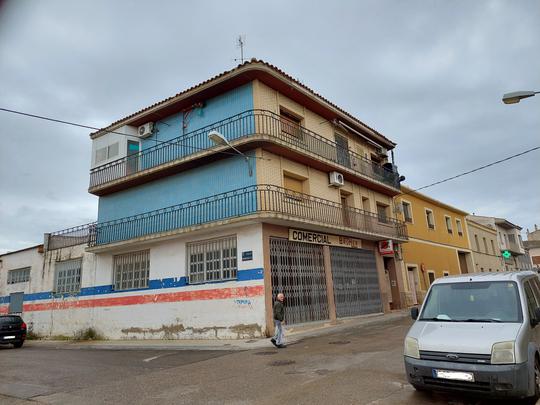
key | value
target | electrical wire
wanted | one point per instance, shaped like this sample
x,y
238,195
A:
x,y
474,170
175,143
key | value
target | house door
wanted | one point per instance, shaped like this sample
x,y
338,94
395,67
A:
x,y
412,284
342,145
463,262
297,271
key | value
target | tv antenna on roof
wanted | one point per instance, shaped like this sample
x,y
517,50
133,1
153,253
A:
x,y
240,42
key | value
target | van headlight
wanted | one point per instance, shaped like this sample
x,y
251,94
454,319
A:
x,y
411,348
503,353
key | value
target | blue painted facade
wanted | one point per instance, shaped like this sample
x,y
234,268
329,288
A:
x,y
208,180
215,109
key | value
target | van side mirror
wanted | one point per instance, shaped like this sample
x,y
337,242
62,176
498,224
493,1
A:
x,y
536,319
414,313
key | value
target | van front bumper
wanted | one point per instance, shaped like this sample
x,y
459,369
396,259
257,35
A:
x,y
504,380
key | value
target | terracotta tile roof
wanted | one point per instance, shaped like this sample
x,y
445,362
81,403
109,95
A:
x,y
227,72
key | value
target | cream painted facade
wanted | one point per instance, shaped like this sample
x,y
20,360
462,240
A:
x,y
486,254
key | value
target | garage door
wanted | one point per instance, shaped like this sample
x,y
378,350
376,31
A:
x,y
356,282
298,272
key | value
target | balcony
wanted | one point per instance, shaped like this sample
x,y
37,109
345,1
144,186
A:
x,y
245,131
264,203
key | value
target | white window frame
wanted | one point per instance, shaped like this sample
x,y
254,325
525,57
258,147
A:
x,y
448,223
20,275
405,202
131,270
459,227
67,280
212,260
426,211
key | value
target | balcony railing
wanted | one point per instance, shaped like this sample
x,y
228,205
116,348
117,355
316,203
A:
x,y
249,124
266,200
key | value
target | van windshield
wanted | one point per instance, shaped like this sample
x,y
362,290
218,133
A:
x,y
487,301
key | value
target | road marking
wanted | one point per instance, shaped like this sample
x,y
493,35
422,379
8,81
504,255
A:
x,y
152,358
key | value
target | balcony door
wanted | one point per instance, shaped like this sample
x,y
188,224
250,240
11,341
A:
x,y
132,163
342,146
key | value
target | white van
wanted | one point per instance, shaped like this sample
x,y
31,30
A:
x,y
478,333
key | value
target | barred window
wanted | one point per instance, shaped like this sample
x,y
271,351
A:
x,y
21,275
131,270
212,260
68,276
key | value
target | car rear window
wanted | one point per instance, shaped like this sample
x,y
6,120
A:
x,y
10,319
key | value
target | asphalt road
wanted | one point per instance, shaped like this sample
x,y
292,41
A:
x,y
362,365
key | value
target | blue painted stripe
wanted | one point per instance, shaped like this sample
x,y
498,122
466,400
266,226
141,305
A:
x,y
157,284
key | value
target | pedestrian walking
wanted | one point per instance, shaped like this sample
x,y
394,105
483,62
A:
x,y
279,315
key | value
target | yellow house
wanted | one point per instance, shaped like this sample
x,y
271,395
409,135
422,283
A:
x,y
438,242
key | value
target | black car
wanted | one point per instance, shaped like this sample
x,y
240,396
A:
x,y
12,330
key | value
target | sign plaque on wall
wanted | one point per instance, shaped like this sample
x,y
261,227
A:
x,y
318,238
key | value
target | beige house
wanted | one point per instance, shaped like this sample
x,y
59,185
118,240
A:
x,y
483,242
532,244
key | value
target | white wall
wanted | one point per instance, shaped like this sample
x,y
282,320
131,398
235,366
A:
x,y
233,309
16,260
109,139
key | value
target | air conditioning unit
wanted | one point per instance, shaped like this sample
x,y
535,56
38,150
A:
x,y
146,130
336,179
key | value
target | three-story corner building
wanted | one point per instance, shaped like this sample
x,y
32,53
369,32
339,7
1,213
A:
x,y
216,199
485,248
438,242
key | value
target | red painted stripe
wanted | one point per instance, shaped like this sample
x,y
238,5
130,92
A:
x,y
199,295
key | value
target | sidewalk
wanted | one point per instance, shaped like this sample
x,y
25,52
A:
x,y
293,335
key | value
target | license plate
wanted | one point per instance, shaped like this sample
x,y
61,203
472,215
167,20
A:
x,y
9,337
453,375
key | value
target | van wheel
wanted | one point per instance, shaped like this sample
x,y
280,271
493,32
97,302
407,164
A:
x,y
18,345
536,395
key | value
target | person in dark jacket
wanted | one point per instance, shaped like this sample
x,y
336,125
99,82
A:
x,y
279,315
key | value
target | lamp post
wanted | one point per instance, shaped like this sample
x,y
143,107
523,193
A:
x,y
517,96
219,139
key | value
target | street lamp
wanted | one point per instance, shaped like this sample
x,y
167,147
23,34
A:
x,y
517,96
219,139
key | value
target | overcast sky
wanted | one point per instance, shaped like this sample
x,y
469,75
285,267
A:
x,y
427,74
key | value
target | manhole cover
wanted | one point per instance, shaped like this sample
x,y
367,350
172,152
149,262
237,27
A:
x,y
278,363
264,353
340,342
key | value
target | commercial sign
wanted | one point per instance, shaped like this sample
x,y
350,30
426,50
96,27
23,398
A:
x,y
386,247
317,238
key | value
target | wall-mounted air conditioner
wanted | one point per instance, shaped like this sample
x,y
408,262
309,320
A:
x,y
336,179
383,152
146,130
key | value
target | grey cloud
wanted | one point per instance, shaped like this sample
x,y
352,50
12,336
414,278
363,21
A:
x,y
429,75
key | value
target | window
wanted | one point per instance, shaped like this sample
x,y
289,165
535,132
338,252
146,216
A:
x,y
131,270
382,212
481,269
68,276
431,277
21,275
459,227
493,247
212,260
448,221
485,245
295,185
290,124
512,238
477,244
407,211
430,219
107,152
445,274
